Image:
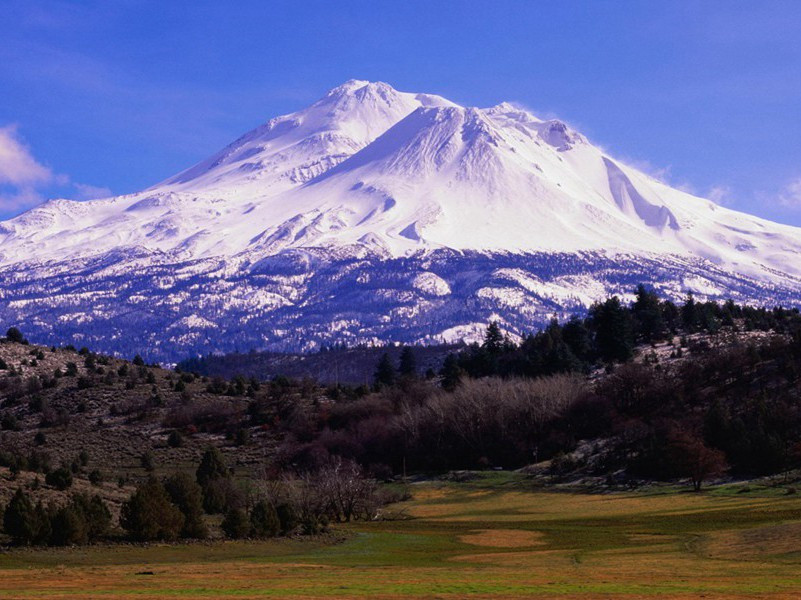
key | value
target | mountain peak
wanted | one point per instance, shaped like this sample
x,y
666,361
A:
x,y
331,222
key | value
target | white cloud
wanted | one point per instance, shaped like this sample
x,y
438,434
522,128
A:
x,y
719,194
19,200
18,167
790,197
25,182
91,192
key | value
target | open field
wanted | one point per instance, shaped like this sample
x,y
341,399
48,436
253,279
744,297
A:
x,y
491,538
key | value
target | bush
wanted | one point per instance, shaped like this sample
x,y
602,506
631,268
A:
x,y
149,515
25,523
69,527
186,494
148,462
236,524
175,439
15,335
287,518
61,478
264,520
211,471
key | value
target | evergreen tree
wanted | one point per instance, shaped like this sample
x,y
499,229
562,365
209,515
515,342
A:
x,y
451,373
408,362
236,524
287,518
493,339
648,316
24,522
264,520
69,527
187,495
15,335
614,335
149,515
212,466
689,313
384,372
578,338
212,477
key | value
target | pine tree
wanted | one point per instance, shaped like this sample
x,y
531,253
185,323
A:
x,y
236,524
384,372
408,362
451,373
493,339
187,495
149,515
614,335
264,520
648,315
689,313
15,335
212,475
21,520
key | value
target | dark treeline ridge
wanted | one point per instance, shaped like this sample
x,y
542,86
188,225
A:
x,y
610,333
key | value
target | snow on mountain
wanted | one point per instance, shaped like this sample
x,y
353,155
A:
x,y
375,215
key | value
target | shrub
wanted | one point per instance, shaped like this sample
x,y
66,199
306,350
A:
x,y
175,439
15,335
149,515
264,520
210,472
287,518
186,494
69,527
236,524
25,523
95,477
61,478
148,462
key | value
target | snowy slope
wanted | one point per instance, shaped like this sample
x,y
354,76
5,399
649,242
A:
x,y
370,180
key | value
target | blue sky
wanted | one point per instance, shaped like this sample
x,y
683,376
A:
x,y
113,96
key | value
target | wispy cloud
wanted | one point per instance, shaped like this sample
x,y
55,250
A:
x,y
25,181
90,192
18,167
790,196
719,194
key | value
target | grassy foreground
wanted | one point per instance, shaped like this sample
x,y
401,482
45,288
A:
x,y
486,539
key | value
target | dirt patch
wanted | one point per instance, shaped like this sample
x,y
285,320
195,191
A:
x,y
503,538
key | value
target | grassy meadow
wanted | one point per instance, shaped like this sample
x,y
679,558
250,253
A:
x,y
494,537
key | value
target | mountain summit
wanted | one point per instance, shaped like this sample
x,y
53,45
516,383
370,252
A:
x,y
377,215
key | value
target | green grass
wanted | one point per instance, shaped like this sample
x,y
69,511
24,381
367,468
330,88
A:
x,y
494,536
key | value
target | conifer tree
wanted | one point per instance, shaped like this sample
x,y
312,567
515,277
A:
x,y
408,362
384,372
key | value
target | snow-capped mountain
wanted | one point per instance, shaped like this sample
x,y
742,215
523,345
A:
x,y
376,215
